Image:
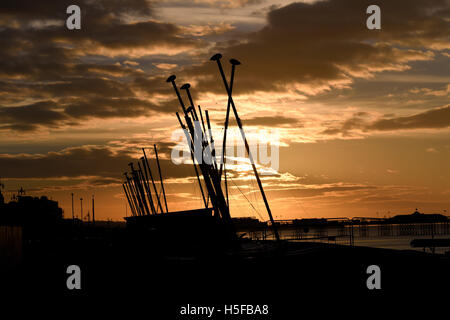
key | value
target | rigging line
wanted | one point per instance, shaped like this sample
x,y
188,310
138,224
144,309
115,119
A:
x,y
251,195
254,190
304,209
220,135
256,194
290,193
233,195
247,200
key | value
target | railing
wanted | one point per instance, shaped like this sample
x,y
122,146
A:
x,y
347,233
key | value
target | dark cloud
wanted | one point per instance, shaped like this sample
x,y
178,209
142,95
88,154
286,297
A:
x,y
99,161
122,107
69,112
24,10
316,191
82,87
29,117
155,84
327,41
436,118
68,75
271,121
430,119
107,23
118,35
315,44
104,181
264,11
223,4
72,162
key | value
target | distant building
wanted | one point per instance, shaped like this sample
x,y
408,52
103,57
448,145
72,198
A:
x,y
29,210
25,218
417,217
244,223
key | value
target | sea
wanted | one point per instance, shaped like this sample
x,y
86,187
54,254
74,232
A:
x,y
387,236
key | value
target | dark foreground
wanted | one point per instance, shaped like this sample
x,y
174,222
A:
x,y
285,279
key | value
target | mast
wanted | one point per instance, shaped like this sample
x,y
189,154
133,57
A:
x,y
198,147
213,149
147,187
93,212
133,211
147,167
217,58
81,200
193,161
73,213
160,177
132,192
139,190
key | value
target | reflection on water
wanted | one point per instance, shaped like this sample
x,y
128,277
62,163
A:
x,y
399,243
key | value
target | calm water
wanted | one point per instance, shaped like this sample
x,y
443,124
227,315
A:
x,y
396,237
399,243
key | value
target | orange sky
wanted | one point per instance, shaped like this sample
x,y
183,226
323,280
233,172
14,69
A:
x,y
362,115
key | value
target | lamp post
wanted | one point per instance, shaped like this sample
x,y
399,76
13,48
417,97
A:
x,y
81,200
73,213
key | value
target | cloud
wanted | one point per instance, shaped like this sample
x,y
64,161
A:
x,y
48,9
326,44
436,118
431,150
165,66
70,162
52,77
121,107
271,121
30,117
87,87
392,171
223,4
85,161
303,49
318,191
433,119
131,63
147,35
307,48
430,92
112,24
208,29
68,112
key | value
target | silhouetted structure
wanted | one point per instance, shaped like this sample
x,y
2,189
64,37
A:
x,y
29,210
137,187
417,217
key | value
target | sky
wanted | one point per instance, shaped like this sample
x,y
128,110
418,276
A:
x,y
362,117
